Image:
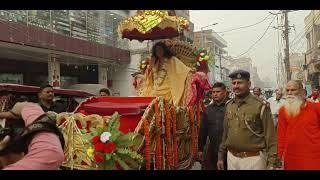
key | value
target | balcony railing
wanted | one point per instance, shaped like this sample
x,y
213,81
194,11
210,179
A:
x,y
90,25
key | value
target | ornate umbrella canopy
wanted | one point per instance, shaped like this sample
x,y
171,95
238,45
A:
x,y
152,25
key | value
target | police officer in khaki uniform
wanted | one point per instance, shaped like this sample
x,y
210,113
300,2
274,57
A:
x,y
249,137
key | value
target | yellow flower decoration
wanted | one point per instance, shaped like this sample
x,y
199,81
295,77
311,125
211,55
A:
x,y
90,152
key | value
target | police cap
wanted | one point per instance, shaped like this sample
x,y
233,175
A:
x,y
240,74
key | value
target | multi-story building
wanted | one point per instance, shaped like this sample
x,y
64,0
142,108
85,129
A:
x,y
241,63
216,44
312,32
245,63
297,61
255,79
61,47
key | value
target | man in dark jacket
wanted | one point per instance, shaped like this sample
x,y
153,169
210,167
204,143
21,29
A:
x,y
46,100
211,128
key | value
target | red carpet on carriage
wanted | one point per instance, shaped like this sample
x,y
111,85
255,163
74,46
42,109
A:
x,y
130,108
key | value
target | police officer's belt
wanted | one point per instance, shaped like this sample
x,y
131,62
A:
x,y
20,137
243,154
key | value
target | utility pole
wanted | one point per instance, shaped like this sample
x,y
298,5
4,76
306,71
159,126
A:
x,y
286,73
286,50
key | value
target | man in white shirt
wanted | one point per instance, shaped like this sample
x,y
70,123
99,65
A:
x,y
275,104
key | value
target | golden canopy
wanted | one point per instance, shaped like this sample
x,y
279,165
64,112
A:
x,y
152,25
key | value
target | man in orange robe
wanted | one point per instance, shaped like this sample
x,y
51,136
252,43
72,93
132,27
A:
x,y
299,130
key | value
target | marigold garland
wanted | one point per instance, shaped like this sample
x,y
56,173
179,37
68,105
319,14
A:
x,y
147,143
168,135
174,131
158,152
193,133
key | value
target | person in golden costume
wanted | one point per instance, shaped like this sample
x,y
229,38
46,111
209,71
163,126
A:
x,y
167,76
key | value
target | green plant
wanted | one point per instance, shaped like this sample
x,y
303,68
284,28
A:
x,y
111,149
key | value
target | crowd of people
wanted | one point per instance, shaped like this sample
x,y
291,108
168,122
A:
x,y
239,129
251,132
244,131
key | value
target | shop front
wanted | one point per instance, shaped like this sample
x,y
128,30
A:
x,y
50,58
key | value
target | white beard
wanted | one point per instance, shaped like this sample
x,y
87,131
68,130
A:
x,y
293,105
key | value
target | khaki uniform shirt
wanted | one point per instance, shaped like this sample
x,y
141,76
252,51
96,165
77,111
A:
x,y
248,126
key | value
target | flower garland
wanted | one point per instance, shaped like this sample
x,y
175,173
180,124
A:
x,y
158,136
174,131
147,143
168,135
193,133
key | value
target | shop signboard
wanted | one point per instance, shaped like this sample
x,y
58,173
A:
x,y
11,78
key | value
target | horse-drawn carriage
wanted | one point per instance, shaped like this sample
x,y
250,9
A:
x,y
150,131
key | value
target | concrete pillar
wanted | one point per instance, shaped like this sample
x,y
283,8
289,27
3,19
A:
x,y
54,71
103,75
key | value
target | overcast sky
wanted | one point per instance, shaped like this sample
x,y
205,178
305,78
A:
x,y
264,53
